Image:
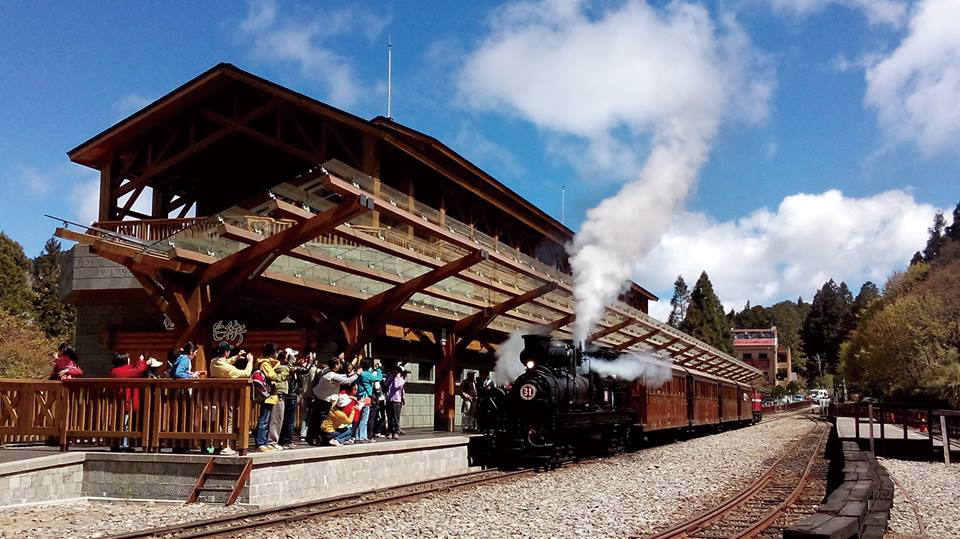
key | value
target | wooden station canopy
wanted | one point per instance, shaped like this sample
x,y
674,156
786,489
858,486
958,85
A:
x,y
333,240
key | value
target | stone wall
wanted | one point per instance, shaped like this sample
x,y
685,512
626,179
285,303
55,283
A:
x,y
277,478
333,471
43,479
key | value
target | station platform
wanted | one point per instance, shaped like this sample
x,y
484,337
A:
x,y
40,474
895,439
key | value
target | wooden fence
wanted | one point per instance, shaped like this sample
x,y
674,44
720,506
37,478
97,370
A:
x,y
934,424
148,413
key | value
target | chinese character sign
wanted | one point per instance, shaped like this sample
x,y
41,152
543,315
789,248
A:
x,y
232,332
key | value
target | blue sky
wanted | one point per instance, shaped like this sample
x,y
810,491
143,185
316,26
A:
x,y
824,138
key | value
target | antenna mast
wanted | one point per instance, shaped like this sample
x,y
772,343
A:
x,y
563,205
389,77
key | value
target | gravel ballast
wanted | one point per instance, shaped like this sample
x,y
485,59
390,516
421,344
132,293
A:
x,y
630,494
91,519
933,488
634,493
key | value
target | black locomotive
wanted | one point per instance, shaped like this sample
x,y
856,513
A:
x,y
556,409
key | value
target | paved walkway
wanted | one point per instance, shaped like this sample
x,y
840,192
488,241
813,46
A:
x,y
17,452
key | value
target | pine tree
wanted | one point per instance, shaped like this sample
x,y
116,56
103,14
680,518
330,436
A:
x,y
15,294
827,324
953,231
53,315
936,237
917,258
705,318
679,302
867,295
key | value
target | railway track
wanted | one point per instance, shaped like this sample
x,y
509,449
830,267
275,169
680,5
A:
x,y
777,498
229,526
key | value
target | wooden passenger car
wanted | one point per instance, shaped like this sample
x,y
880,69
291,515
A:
x,y
663,407
729,402
703,394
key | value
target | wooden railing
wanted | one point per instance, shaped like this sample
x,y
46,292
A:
x,y
151,414
30,411
147,229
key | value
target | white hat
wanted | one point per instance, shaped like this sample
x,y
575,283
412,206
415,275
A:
x,y
343,401
154,363
291,352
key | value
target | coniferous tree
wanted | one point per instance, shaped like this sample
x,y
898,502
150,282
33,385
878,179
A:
x,y
679,302
867,295
15,294
953,231
705,318
53,315
827,324
917,258
936,237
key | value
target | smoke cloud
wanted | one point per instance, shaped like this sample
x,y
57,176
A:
x,y
508,365
631,366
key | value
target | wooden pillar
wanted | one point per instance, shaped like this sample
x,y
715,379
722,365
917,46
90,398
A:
x,y
444,386
106,192
160,201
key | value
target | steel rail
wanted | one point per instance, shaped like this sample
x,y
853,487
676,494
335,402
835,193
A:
x,y
715,514
761,525
230,525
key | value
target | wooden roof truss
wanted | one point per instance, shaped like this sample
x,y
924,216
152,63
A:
x,y
314,232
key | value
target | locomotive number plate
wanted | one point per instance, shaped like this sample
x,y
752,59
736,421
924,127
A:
x,y
528,392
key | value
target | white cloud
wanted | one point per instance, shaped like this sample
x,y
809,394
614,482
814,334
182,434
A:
x,y
916,88
305,40
769,256
640,90
890,12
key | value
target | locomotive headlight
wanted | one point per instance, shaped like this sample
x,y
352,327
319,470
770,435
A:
x,y
530,365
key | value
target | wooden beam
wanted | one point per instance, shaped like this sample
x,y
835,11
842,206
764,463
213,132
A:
x,y
665,345
642,338
550,327
270,140
257,257
478,321
319,257
610,329
191,150
391,299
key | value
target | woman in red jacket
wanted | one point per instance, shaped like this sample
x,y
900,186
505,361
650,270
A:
x,y
65,365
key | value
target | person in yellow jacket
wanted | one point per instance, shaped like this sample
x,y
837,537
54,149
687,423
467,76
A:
x,y
237,367
338,426
269,365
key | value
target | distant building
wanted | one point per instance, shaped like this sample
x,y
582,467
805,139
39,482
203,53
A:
x,y
762,349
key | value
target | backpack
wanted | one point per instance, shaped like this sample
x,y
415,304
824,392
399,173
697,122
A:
x,y
262,388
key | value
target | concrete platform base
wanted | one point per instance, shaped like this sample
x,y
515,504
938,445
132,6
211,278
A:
x,y
277,478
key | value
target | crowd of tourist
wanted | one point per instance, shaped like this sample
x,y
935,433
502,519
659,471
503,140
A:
x,y
340,402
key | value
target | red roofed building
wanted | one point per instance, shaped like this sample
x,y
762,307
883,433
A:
x,y
762,349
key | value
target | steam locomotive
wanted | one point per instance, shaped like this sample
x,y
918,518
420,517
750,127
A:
x,y
559,409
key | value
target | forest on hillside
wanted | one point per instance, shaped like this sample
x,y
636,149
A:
x,y
899,342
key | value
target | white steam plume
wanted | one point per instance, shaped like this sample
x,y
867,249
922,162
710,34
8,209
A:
x,y
619,84
508,365
622,229
631,366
